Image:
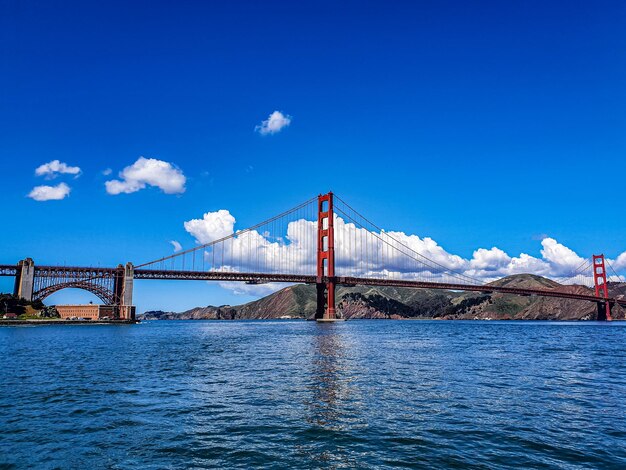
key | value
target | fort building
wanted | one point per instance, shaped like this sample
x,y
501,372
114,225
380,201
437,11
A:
x,y
95,311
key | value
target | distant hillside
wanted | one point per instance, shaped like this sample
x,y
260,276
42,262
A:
x,y
298,301
512,307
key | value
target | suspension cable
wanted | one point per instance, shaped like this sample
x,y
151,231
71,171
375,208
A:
x,y
232,235
619,279
413,252
580,270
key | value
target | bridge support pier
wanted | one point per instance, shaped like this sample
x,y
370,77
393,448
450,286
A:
x,y
25,279
123,289
129,275
604,311
325,259
127,310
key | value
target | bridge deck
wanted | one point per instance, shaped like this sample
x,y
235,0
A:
x,y
257,278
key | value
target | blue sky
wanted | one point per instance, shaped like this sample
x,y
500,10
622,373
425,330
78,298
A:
x,y
478,124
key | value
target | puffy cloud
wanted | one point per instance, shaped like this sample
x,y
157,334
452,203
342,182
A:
x,y
54,168
177,246
50,193
562,259
212,226
274,123
490,260
251,251
526,264
620,262
358,252
148,171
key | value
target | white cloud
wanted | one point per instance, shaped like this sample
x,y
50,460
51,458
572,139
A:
x,y
562,259
107,171
274,123
177,246
359,253
619,263
148,171
50,193
212,226
490,260
54,168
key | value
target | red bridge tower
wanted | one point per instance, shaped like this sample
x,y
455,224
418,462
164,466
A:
x,y
602,290
325,259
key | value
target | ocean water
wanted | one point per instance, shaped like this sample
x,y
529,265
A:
x,y
295,394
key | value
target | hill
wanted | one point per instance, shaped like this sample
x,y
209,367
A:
x,y
298,301
498,306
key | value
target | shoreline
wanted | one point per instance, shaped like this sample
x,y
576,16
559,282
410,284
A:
x,y
67,322
392,319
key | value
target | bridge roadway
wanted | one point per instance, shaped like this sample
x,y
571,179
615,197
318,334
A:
x,y
74,272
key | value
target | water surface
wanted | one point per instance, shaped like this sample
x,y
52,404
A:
x,y
366,394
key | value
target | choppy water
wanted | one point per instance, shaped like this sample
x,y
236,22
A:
x,y
366,394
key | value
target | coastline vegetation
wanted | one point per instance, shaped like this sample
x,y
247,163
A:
x,y
12,306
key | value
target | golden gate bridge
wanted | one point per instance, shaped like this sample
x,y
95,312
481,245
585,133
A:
x,y
323,241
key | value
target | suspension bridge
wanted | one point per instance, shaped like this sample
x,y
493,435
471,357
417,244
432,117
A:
x,y
323,241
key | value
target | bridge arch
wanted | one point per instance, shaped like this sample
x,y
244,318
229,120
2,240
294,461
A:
x,y
106,295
